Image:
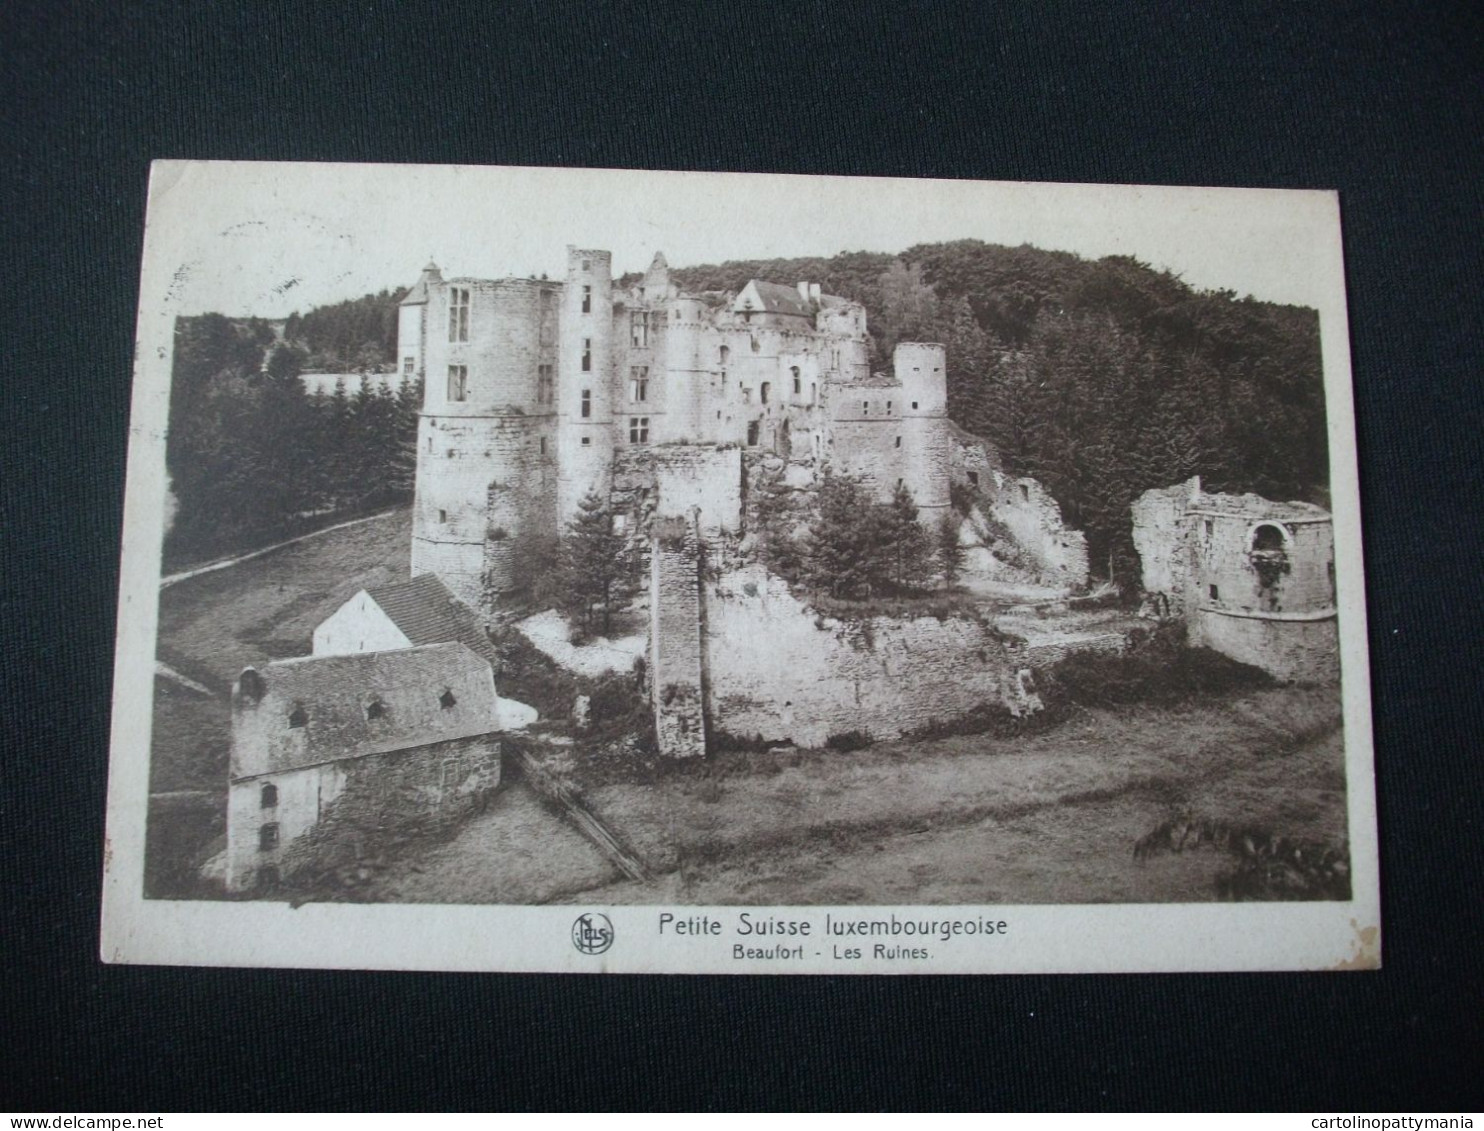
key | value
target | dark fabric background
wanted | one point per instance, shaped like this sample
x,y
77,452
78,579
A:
x,y
1382,102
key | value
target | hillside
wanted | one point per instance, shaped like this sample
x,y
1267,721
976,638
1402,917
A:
x,y
1101,378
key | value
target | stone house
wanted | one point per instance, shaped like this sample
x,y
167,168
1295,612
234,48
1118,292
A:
x,y
1252,578
404,614
334,756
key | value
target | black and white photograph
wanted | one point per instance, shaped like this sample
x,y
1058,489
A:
x,y
728,572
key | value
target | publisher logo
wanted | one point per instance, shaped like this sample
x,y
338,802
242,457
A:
x,y
592,933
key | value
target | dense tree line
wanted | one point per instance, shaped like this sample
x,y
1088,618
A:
x,y
358,335
1099,378
252,456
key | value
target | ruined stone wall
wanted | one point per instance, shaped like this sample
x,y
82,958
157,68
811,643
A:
x,y
675,640
1291,647
776,671
1033,517
340,813
706,481
1161,539
972,461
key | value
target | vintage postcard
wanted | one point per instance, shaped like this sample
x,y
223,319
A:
x,y
614,571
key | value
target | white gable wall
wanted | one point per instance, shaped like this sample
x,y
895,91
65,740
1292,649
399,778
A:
x,y
359,625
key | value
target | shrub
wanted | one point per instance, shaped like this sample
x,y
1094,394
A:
x,y
848,740
1160,670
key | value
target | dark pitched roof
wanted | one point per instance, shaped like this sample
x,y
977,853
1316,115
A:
x,y
334,692
778,299
427,613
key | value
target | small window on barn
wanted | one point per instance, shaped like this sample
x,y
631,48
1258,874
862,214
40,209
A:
x,y
298,717
268,798
375,709
446,700
268,837
1214,592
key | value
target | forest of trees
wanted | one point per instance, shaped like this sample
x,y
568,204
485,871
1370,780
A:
x,y
252,456
1099,378
355,336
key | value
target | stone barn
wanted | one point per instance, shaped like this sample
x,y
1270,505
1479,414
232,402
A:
x,y
336,757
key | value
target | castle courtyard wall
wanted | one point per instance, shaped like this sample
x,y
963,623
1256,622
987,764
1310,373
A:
x,y
777,671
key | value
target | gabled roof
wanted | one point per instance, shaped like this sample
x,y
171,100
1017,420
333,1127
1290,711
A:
x,y
778,299
427,613
334,693
419,292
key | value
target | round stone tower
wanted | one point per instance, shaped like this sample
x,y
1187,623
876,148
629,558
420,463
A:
x,y
921,368
486,452
585,428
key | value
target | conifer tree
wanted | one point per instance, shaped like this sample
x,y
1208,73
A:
x,y
949,550
906,551
843,553
599,569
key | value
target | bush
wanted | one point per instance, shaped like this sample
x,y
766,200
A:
x,y
848,741
1160,670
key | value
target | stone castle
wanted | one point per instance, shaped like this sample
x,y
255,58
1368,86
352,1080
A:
x,y
539,391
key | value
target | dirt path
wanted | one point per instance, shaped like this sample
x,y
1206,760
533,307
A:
x,y
175,578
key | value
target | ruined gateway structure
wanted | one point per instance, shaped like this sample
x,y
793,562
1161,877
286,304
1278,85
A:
x,y
676,408
1251,578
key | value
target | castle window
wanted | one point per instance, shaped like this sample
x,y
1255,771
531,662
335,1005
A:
x,y
638,429
458,314
973,479
587,265
1214,592
752,434
587,355
298,717
587,299
442,516
767,387
798,383
746,394
409,366
545,385
888,408
722,354
458,382
914,404
899,441
268,797
865,408
587,441
639,329
375,709
813,392
1207,526
430,445
543,445
446,700
639,383
267,837
1025,492
587,403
